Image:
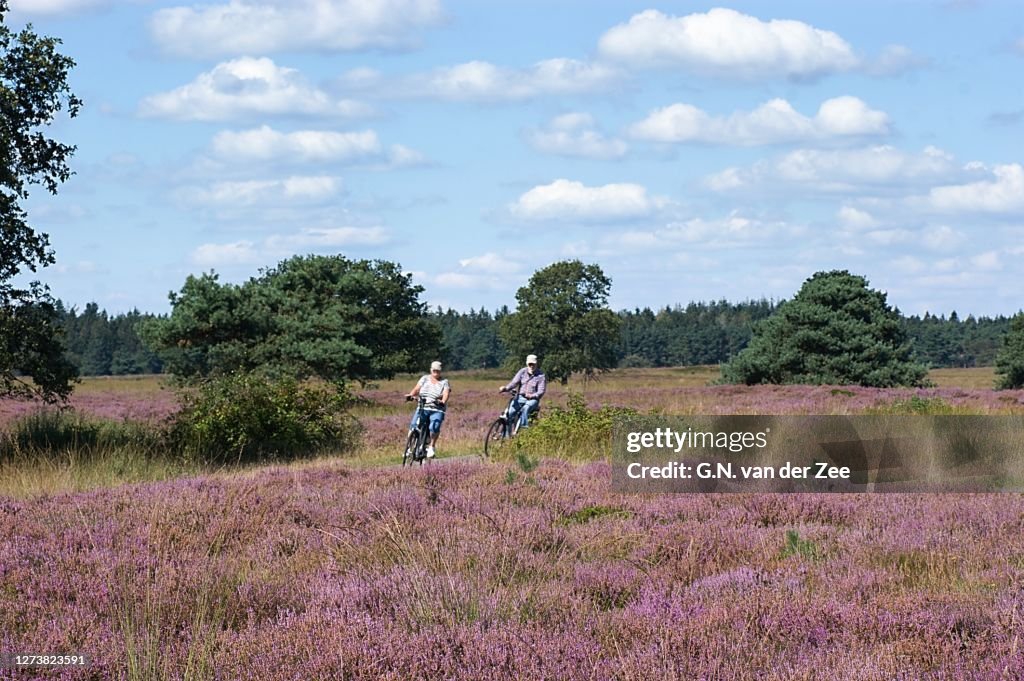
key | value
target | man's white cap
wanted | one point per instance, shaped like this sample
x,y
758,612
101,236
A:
x,y
531,359
435,365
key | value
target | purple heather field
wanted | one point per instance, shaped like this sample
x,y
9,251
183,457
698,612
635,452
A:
x,y
468,570
458,572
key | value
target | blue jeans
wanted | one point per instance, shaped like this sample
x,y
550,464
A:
x,y
436,417
525,407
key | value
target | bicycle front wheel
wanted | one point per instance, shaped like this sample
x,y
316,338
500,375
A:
x,y
412,445
496,436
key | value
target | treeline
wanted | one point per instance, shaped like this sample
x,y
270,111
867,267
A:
x,y
699,333
103,345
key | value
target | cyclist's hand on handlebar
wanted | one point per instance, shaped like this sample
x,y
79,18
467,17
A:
x,y
409,398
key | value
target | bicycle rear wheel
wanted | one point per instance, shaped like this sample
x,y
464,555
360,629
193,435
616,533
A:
x,y
412,445
495,439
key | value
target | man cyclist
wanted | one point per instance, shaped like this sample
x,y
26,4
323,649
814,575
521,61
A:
x,y
435,391
532,384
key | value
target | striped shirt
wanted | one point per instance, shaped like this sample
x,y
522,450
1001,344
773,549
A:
x,y
432,392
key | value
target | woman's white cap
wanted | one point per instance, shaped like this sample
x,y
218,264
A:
x,y
531,359
435,365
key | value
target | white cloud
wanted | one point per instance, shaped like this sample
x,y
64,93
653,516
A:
x,y
309,146
247,87
881,169
261,26
490,263
569,200
727,43
894,60
855,218
219,255
253,192
773,122
1004,193
987,262
575,135
278,246
480,81
942,238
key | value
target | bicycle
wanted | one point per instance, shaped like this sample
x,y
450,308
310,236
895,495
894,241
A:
x,y
505,426
419,437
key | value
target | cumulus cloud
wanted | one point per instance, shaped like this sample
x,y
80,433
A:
x,y
246,87
724,42
262,26
1003,193
564,200
480,81
855,218
278,246
880,169
309,146
254,192
773,122
487,271
575,135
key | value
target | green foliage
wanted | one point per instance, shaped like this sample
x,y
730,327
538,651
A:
x,y
835,331
31,346
588,513
58,432
311,316
795,546
33,89
242,418
915,405
102,345
563,317
574,432
1010,361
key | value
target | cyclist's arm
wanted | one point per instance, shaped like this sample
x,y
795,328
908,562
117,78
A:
x,y
415,389
444,395
540,388
516,381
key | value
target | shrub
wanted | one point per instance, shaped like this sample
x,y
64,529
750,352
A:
x,y
243,418
575,431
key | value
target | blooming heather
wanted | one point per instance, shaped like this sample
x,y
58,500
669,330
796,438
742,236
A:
x,y
453,572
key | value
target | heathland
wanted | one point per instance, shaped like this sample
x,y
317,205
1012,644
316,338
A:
x,y
526,567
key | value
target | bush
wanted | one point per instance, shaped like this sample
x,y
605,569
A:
x,y
574,432
244,418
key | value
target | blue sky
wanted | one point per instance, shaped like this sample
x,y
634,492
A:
x,y
694,150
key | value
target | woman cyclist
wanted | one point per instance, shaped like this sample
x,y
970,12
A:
x,y
435,391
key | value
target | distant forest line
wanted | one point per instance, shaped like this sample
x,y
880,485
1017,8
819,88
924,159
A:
x,y
699,333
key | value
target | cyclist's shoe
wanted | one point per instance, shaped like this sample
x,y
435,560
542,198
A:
x,y
408,452
430,452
